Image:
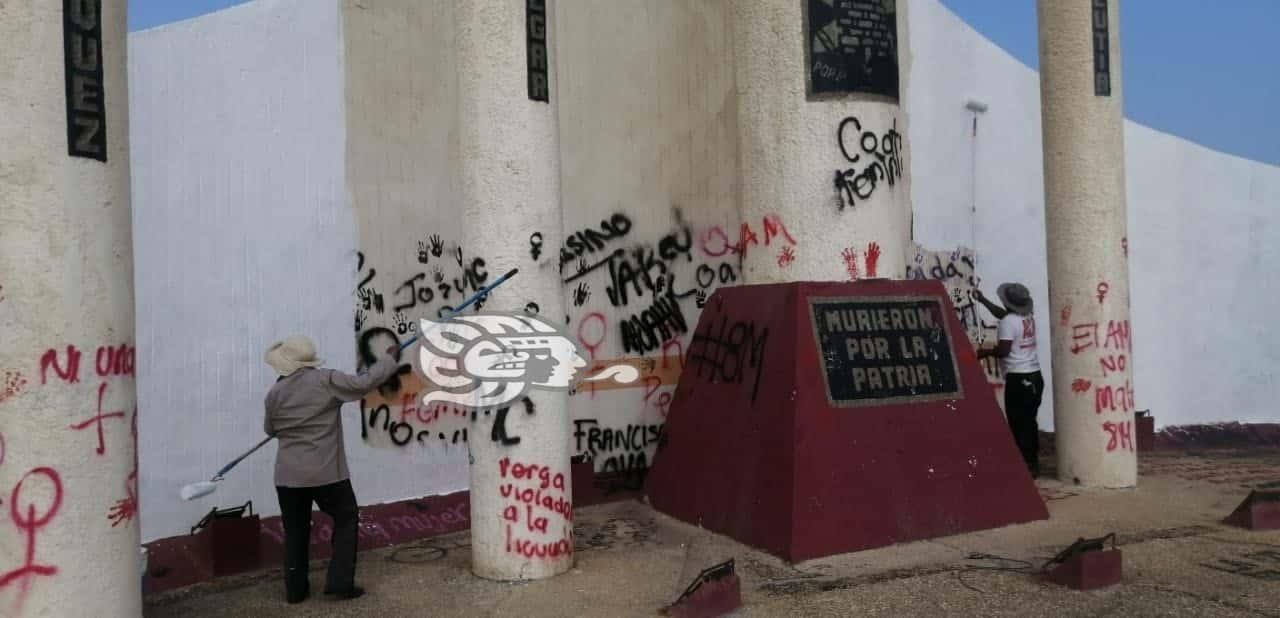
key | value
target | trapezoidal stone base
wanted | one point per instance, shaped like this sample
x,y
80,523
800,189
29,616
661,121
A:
x,y
814,419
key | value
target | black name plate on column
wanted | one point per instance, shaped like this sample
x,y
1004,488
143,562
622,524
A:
x,y
882,350
86,100
536,45
1101,50
852,47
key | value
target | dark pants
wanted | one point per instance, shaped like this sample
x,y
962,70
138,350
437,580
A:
x,y
1022,394
336,500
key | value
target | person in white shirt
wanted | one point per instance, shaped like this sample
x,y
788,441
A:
x,y
1023,383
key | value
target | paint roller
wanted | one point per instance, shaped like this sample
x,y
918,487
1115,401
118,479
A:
x,y
204,488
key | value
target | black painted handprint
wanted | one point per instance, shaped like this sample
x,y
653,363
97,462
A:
x,y
360,317
403,325
701,298
423,256
437,245
581,294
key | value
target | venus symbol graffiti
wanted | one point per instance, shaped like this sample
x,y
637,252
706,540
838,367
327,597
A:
x,y
492,359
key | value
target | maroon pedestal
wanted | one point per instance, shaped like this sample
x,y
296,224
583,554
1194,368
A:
x,y
1145,427
802,454
229,541
1260,510
1088,571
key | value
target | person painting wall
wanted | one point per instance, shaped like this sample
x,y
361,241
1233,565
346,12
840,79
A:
x,y
303,411
1016,349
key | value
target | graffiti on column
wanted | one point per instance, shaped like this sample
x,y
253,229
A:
x,y
852,47
1110,343
873,159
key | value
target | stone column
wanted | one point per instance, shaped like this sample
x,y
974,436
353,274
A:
x,y
69,537
1083,124
510,187
825,189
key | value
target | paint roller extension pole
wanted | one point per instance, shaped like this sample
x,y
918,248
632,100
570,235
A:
x,y
474,297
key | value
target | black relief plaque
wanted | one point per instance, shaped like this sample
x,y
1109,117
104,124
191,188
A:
x,y
852,47
536,50
82,66
883,350
1101,50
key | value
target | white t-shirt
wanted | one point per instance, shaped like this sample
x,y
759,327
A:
x,y
1022,354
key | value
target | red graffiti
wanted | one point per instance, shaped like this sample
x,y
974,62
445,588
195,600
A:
x,y
1120,436
31,523
1113,398
126,508
873,258
109,361
1113,363
1103,287
531,549
1066,315
102,446
581,332
713,233
70,373
1117,335
672,343
117,361
786,257
771,225
850,263
13,384
1085,336
1080,385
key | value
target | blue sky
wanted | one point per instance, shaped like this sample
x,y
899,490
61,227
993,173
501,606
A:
x,y
1208,71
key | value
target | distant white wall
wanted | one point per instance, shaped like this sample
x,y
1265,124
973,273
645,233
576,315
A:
x,y
1204,247
1203,237
242,236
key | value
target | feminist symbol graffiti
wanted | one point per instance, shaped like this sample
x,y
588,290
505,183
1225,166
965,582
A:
x,y
30,523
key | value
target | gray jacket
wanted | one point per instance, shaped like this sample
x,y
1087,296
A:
x,y
305,409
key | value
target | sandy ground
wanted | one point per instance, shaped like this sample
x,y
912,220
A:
x,y
1179,560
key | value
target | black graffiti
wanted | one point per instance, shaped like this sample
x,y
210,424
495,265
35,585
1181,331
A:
x,y
400,432
884,163
535,245
589,437
437,246
403,325
581,294
706,276
499,432
531,308
416,293
360,318
658,323
587,241
379,339
82,65
726,351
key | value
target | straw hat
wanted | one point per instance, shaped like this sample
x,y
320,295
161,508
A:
x,y
292,354
1016,297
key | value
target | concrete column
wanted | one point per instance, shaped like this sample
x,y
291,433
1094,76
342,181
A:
x,y
1083,124
69,539
793,142
510,187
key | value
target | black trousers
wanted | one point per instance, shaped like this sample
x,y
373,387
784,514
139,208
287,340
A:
x,y
1022,395
336,500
